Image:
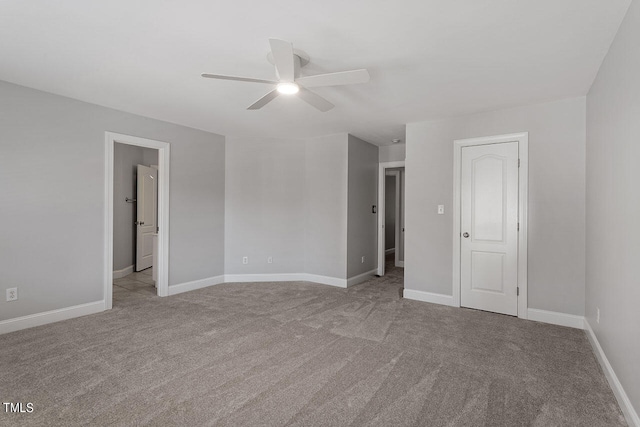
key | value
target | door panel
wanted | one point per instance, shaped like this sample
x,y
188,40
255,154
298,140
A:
x,y
489,225
487,203
487,271
147,206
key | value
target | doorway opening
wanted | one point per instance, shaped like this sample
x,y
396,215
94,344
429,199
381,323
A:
x,y
135,225
390,216
490,224
137,214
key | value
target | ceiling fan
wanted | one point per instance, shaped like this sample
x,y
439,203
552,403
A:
x,y
288,62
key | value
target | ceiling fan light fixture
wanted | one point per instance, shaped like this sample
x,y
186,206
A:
x,y
287,88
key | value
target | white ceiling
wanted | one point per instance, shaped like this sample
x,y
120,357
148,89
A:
x,y
427,58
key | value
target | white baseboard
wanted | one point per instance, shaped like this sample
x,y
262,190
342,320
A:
x,y
629,412
119,274
326,280
361,277
428,297
400,264
276,277
196,284
555,318
389,251
286,277
38,319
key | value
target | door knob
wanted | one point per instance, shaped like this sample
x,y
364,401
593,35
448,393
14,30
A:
x,y
139,222
465,235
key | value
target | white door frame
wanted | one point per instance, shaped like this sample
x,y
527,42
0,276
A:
x,y
400,190
382,167
523,173
163,211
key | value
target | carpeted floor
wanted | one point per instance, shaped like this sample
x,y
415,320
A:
x,y
301,354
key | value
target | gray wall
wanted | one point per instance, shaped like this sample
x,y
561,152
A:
x,y
126,158
326,206
556,223
361,222
613,205
265,199
392,153
287,198
52,196
149,157
307,203
390,211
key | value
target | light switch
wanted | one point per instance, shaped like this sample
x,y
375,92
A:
x,y
440,209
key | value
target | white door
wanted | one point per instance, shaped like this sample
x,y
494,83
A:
x,y
489,228
147,205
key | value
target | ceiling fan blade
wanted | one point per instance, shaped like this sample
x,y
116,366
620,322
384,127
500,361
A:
x,y
264,100
315,100
335,79
283,57
236,78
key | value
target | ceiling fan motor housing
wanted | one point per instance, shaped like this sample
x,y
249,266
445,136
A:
x,y
300,59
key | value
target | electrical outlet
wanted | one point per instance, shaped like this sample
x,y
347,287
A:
x,y
363,260
440,209
12,294
270,260
245,260
597,315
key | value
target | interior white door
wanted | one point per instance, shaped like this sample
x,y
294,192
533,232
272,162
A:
x,y
489,228
147,216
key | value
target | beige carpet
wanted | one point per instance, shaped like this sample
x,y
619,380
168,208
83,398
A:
x,y
301,354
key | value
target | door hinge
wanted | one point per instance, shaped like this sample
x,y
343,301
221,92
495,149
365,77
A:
x,y
518,162
518,292
518,226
